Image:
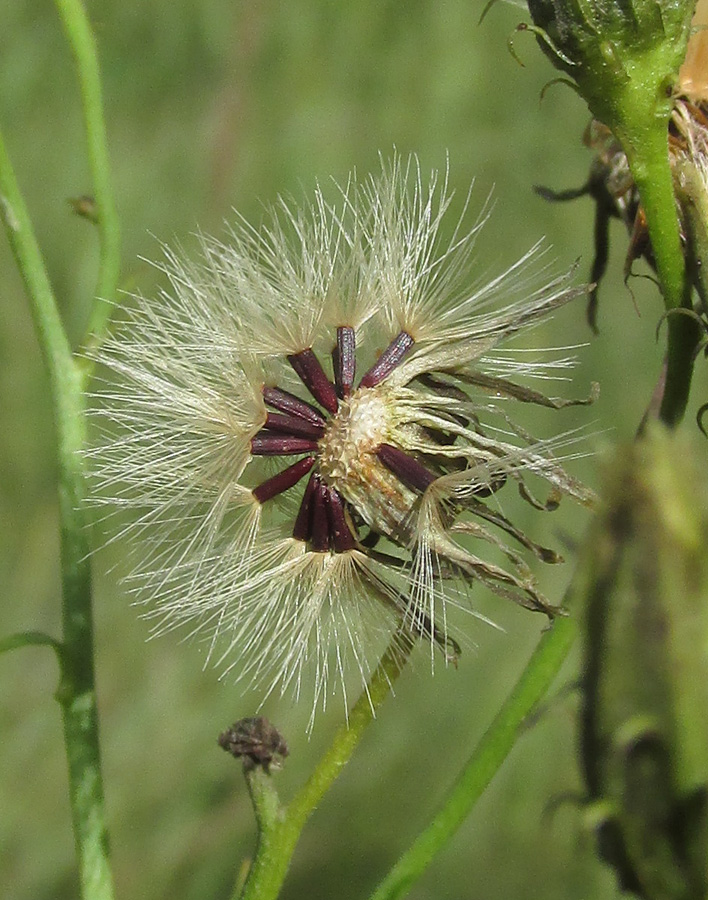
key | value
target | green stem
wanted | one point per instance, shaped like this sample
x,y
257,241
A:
x,y
269,815
488,756
30,639
279,833
694,203
76,692
648,156
83,46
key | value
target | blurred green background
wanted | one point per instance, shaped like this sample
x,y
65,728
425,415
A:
x,y
213,105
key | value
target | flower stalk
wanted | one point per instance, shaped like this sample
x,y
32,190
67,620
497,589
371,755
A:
x,y
624,59
279,828
489,754
76,692
647,154
83,45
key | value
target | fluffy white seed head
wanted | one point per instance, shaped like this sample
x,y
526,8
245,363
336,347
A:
x,y
309,429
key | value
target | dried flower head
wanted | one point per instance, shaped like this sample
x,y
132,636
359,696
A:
x,y
255,741
312,430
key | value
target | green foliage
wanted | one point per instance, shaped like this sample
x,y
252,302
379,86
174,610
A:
x,y
645,669
213,105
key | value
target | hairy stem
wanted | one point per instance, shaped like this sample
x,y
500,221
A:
x,y
76,692
83,46
490,753
279,830
648,156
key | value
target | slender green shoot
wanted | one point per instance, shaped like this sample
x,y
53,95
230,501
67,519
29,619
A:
x,y
280,828
490,753
76,692
83,46
29,639
649,162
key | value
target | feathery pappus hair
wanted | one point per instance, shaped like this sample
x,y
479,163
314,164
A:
x,y
311,428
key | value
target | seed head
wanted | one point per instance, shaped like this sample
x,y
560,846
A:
x,y
310,430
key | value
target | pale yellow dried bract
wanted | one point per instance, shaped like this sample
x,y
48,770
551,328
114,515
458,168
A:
x,y
693,75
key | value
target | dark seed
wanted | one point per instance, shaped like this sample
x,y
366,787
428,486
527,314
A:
x,y
389,359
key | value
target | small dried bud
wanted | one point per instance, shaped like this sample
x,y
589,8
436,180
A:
x,y
257,741
644,741
621,53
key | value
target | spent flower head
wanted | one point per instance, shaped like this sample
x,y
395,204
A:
x,y
312,427
623,55
612,185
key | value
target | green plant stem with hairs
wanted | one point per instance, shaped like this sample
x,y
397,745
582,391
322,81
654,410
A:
x,y
638,111
648,157
76,692
495,745
279,827
83,45
624,58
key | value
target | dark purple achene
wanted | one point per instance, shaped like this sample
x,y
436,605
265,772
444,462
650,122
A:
x,y
406,467
389,359
344,360
266,444
293,425
319,537
321,521
292,405
302,528
284,480
340,532
288,403
313,376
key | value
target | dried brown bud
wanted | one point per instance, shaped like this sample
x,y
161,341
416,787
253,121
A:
x,y
255,740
